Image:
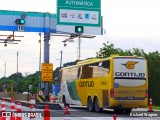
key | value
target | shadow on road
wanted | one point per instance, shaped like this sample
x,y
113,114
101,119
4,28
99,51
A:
x,y
82,111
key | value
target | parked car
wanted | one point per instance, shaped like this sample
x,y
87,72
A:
x,y
25,93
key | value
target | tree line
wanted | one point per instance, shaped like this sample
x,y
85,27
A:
x,y
20,83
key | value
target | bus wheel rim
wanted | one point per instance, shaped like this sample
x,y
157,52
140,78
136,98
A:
x,y
96,105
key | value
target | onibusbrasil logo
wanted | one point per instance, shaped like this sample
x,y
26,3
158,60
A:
x,y
130,64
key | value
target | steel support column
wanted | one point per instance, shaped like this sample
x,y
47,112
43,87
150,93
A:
x,y
46,60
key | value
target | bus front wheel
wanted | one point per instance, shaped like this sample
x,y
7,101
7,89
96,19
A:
x,y
64,102
90,104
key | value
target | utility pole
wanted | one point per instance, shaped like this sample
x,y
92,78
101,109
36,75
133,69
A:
x,y
5,69
79,47
17,61
17,72
46,60
61,59
39,82
4,75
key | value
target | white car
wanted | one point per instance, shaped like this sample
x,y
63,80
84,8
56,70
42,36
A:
x,y
25,93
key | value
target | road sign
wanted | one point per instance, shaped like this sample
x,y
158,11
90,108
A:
x,y
20,28
79,12
71,13
41,92
30,87
47,71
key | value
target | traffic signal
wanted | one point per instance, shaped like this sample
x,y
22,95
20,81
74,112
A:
x,y
20,21
79,29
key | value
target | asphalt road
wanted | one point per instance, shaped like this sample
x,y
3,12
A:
x,y
81,113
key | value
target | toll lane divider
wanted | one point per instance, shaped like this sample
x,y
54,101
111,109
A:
x,y
40,98
52,106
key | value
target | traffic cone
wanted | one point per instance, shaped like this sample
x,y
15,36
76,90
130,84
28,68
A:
x,y
150,105
3,110
66,112
114,117
12,109
19,110
32,114
46,113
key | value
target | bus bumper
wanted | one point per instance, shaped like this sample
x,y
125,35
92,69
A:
x,y
129,103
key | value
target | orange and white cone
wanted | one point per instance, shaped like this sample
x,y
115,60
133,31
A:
x,y
150,105
3,110
19,110
12,109
32,113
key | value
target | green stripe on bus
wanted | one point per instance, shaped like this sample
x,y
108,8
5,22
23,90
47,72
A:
x,y
72,90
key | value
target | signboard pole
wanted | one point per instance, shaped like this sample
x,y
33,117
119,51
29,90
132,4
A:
x,y
46,60
79,47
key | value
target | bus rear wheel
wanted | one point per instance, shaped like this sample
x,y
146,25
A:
x,y
96,105
90,104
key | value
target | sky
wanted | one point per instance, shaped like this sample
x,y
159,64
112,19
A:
x,y
128,24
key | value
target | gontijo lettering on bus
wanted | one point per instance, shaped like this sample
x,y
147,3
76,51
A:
x,y
129,74
86,84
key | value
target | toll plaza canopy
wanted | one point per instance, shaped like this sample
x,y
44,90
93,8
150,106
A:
x,y
31,21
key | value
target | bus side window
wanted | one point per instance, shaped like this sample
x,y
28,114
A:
x,y
87,72
79,71
103,68
106,64
74,73
66,75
